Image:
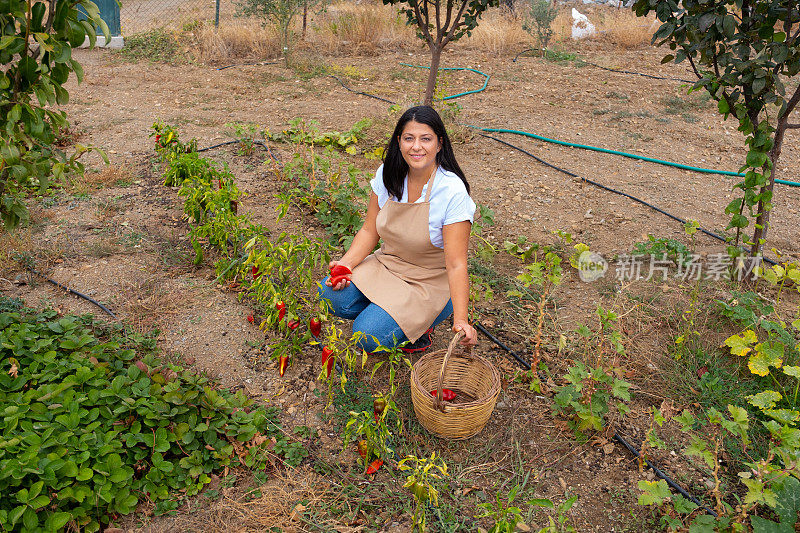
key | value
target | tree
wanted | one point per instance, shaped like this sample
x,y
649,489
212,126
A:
x,y
538,21
440,22
742,52
279,13
36,42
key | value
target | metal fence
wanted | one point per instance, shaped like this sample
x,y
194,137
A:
x,y
138,16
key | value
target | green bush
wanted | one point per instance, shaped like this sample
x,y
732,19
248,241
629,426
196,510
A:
x,y
89,428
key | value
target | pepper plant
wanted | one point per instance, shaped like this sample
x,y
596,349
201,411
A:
x,y
36,42
742,52
424,472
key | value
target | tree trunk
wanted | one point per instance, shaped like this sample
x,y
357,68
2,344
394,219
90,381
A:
x,y
436,56
762,221
305,18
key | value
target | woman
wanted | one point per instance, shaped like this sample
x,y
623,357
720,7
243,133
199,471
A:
x,y
420,207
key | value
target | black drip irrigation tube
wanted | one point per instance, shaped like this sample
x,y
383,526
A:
x,y
658,472
361,92
226,143
249,64
72,291
619,71
615,191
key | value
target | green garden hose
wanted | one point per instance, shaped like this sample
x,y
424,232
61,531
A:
x,y
624,154
485,82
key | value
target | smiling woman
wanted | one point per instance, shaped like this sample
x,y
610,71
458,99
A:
x,y
421,210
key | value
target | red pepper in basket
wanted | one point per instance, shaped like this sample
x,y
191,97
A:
x,y
447,395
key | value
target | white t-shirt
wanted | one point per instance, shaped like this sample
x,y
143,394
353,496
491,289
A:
x,y
450,201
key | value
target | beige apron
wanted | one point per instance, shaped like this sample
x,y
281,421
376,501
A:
x,y
407,277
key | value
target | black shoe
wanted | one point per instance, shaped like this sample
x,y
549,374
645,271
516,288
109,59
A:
x,y
421,344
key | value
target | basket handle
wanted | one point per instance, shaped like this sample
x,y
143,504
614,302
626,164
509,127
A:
x,y
437,402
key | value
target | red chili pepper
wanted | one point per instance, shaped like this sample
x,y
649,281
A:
x,y
315,326
447,395
327,360
374,466
254,271
283,362
378,407
158,138
250,318
362,449
281,307
338,274
293,324
219,183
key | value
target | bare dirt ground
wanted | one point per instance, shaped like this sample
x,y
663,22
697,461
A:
x,y
125,243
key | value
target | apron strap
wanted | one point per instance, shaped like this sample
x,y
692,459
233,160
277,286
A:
x,y
430,184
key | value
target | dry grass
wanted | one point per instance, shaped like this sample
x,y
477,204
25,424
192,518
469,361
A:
x,y
623,28
19,241
276,509
360,28
498,33
109,175
235,40
152,303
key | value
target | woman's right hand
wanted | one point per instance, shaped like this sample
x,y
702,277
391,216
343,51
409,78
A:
x,y
344,282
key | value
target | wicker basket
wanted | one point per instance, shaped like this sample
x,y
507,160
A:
x,y
471,377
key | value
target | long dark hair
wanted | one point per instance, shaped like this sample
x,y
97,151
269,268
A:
x,y
395,167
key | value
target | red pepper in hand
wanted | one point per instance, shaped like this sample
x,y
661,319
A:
x,y
447,395
327,360
339,273
281,307
374,466
315,326
283,362
293,324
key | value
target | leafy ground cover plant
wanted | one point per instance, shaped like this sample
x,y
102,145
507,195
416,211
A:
x,y
91,428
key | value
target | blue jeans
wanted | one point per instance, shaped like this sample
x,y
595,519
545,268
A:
x,y
369,318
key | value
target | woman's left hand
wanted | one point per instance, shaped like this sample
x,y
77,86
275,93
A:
x,y
470,335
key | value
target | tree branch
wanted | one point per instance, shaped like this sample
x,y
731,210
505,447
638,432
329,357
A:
x,y
694,67
422,24
793,126
438,23
457,22
791,104
449,14
51,14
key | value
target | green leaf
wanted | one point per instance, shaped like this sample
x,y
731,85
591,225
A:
x,y
653,492
793,371
682,505
741,344
767,354
764,399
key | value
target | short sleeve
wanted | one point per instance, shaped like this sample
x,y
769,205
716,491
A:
x,y
459,208
379,188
